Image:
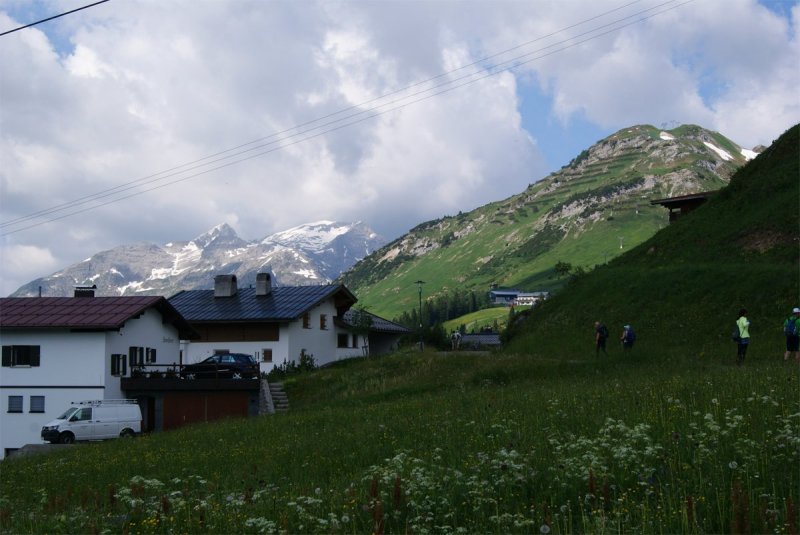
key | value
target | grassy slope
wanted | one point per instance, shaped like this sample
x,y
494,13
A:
x,y
507,225
684,286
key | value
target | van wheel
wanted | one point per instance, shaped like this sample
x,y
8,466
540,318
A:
x,y
66,438
126,433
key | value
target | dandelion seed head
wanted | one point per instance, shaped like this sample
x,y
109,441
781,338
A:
x,y
544,529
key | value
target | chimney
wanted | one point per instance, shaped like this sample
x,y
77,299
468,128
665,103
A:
x,y
82,290
225,286
263,284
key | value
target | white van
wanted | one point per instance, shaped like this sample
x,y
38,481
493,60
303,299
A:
x,y
95,420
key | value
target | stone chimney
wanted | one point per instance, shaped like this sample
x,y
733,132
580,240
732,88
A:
x,y
263,284
225,286
84,290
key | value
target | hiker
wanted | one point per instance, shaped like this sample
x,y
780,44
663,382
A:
x,y
458,338
601,333
791,328
454,340
628,338
743,324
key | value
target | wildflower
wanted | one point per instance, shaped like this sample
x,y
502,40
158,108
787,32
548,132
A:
x,y
675,435
733,465
317,491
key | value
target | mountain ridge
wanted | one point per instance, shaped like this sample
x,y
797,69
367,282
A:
x,y
586,213
314,253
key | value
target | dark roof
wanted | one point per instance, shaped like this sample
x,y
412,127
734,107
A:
x,y
683,198
283,303
96,313
378,324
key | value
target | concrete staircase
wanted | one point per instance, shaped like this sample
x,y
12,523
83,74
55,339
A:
x,y
280,401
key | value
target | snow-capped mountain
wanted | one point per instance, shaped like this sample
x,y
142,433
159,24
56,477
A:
x,y
315,253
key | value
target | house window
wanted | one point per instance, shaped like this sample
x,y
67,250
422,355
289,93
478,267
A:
x,y
342,340
21,356
323,322
222,351
136,355
37,404
266,355
355,340
119,364
306,321
14,403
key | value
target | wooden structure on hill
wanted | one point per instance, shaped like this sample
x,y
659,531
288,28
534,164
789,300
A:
x,y
679,206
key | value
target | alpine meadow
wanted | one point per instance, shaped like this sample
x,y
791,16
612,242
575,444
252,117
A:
x,y
543,437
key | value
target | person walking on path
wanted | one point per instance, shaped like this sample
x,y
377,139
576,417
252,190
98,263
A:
x,y
453,340
791,328
628,338
744,336
601,333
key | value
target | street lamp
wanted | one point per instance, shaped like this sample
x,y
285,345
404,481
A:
x,y
419,284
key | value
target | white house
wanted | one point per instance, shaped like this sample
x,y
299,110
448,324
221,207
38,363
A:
x,y
277,324
57,350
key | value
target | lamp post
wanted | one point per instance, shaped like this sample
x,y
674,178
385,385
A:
x,y
419,284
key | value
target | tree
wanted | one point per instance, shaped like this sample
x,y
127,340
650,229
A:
x,y
563,268
362,325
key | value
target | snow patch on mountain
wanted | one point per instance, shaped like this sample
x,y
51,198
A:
x,y
749,154
725,155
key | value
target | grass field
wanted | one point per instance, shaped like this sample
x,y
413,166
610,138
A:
x,y
481,318
453,444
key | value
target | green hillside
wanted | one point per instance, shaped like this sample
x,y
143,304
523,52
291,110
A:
x,y
590,211
682,288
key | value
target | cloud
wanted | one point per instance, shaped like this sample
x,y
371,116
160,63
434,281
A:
x,y
121,93
21,263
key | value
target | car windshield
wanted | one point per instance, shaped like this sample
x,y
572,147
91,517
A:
x,y
67,414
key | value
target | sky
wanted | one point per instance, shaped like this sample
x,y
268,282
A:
x,y
156,121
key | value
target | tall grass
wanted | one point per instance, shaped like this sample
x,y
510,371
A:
x,y
489,445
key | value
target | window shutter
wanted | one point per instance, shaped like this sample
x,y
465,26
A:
x,y
37,403
14,403
124,365
35,354
151,354
132,355
114,365
7,356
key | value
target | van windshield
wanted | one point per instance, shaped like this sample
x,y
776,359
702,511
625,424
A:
x,y
67,414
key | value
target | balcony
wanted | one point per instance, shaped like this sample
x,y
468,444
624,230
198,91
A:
x,y
174,377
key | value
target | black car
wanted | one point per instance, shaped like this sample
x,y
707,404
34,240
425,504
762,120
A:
x,y
228,366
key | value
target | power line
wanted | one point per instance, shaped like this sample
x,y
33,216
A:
x,y
96,197
51,18
152,178
146,180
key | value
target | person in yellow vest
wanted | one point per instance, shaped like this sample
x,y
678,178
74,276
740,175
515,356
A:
x,y
744,336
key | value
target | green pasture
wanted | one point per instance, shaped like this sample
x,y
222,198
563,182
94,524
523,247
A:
x,y
424,443
481,318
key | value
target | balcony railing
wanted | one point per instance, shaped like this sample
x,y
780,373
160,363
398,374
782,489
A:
x,y
192,377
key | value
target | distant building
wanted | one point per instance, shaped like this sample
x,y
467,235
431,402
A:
x,y
680,206
509,296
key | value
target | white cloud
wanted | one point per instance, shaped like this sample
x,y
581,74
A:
x,y
23,263
137,94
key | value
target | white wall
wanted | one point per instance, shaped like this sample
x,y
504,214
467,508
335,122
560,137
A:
x,y
315,341
73,367
67,360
